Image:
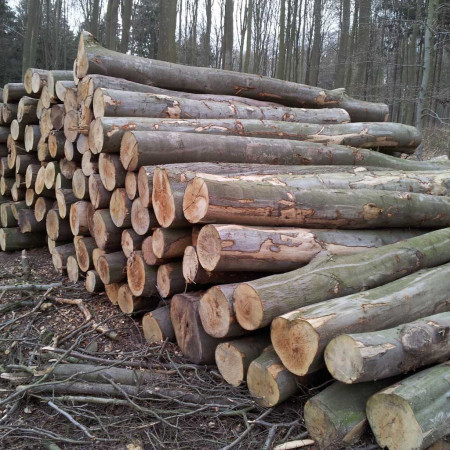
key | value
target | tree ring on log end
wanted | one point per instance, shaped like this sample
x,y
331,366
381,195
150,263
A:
x,y
214,310
209,247
248,307
162,198
229,362
140,217
262,385
195,200
136,274
129,151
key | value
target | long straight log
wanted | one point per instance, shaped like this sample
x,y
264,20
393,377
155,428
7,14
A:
x,y
170,279
300,337
11,239
337,415
241,248
105,133
142,278
168,243
258,302
117,103
414,412
93,58
146,148
84,246
367,356
107,235
157,326
13,92
260,203
233,358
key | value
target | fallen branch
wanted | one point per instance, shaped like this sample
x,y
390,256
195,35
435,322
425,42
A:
x,y
30,287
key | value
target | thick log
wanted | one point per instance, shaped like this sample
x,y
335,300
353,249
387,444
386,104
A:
x,y
30,197
6,185
147,253
107,236
217,312
93,282
337,415
263,204
13,92
11,239
78,218
269,382
38,82
142,218
42,206
157,326
73,272
68,169
131,242
24,161
80,185
53,77
71,125
300,337
170,279
56,142
60,254
26,111
105,133
141,277
130,304
51,171
7,218
70,152
45,123
120,208
260,301
171,243
28,79
57,116
43,153
65,198
414,412
93,58
17,130
241,248
62,86
111,171
100,197
70,101
58,229
84,246
131,185
367,356
112,267
146,148
233,358
112,292
9,113
145,185
195,344
17,194
89,163
32,136
117,103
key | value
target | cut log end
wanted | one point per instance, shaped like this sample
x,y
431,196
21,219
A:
x,y
209,248
196,200
112,292
190,264
162,199
136,273
140,217
129,151
72,269
249,307
93,282
119,207
230,364
144,186
99,103
152,330
131,187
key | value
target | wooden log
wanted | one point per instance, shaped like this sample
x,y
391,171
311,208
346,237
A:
x,y
233,358
269,382
147,253
112,292
112,267
70,101
208,201
60,254
5,171
195,344
78,218
93,58
407,299
6,185
71,126
111,171
100,197
57,116
30,197
130,304
61,88
414,412
58,229
241,248
70,152
11,239
260,301
141,277
13,92
17,130
73,272
41,207
26,111
145,184
17,194
51,171
20,179
7,218
82,144
42,151
23,161
38,82
45,98
107,236
96,253
171,243
80,185
41,74
131,185
84,246
39,109
53,77
39,183
217,312
120,208
16,207
105,133
93,282
9,113
89,163
142,218
157,326
32,136
56,142
118,103
68,169
147,148
367,356
65,198
336,416
170,279
45,123
130,242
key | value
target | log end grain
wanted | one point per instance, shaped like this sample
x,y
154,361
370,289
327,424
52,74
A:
x,y
248,307
157,325
162,198
209,247
195,200
229,363
112,292
131,186
190,263
129,151
140,217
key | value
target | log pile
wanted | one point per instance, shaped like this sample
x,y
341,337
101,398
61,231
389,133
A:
x,y
284,241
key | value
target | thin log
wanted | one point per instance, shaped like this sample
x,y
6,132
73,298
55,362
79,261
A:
x,y
131,185
70,101
60,254
45,123
16,207
57,116
61,88
100,197
171,243
11,239
142,278
111,171
130,304
30,197
58,229
17,194
142,218
53,77
42,151
80,185
13,92
78,218
157,326
6,185
120,208
89,163
71,125
145,184
84,246
107,236
68,169
7,218
112,267
28,80
32,136
24,161
131,241
17,130
51,171
112,292
170,279
147,253
31,175
73,272
93,282
65,198
56,142
26,111
41,207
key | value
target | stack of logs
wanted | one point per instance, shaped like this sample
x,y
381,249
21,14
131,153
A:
x,y
245,230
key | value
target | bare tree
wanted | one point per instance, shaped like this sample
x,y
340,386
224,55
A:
x,y
228,35
168,18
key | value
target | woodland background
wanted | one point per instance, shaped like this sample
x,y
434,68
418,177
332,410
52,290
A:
x,y
391,51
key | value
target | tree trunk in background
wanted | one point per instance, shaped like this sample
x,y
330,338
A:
x,y
111,20
248,49
206,56
167,50
351,51
343,45
31,35
317,44
282,43
228,36
95,17
127,8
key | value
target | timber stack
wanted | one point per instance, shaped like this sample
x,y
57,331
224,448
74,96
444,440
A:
x,y
268,227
